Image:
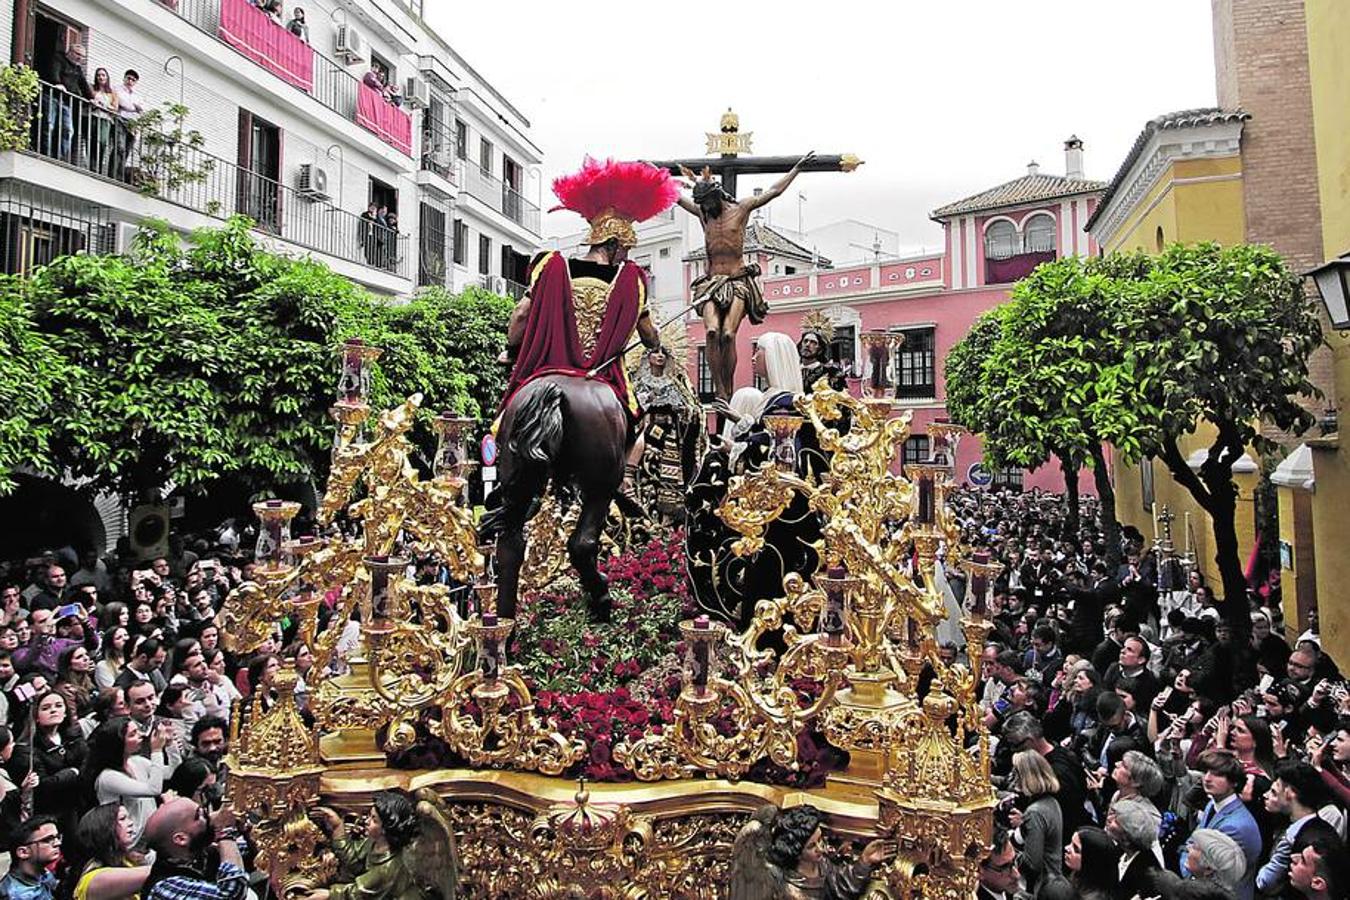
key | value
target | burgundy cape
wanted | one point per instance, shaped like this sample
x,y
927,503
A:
x,y
550,345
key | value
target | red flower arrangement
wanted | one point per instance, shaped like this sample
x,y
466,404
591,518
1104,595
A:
x,y
606,684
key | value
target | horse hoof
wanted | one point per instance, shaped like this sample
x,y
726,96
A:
x,y
602,610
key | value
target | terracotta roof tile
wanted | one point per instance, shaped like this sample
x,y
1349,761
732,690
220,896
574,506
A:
x,y
759,236
1027,189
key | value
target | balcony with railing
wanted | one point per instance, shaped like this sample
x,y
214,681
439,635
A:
x,y
1010,256
252,33
500,196
438,147
79,134
38,224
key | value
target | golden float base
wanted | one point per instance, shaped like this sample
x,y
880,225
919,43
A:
x,y
667,839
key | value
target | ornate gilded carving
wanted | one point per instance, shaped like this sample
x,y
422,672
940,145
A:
x,y
505,852
590,299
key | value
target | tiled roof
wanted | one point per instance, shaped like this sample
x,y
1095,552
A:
x,y
1027,189
1185,118
759,236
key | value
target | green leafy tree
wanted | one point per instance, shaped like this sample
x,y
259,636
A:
x,y
1223,336
185,366
32,374
1027,376
457,340
19,87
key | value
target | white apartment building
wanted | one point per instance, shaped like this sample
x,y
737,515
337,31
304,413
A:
x,y
292,135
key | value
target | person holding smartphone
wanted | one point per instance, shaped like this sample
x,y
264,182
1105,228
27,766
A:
x,y
43,651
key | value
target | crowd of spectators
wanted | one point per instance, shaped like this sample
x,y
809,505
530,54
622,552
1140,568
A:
x,y
1145,746
118,702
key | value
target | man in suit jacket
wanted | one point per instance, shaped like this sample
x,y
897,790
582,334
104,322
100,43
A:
x,y
1223,777
1297,793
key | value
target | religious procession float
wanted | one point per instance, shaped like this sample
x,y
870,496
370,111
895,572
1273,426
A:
x,y
653,652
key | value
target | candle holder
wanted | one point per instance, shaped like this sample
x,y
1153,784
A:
x,y
783,429
980,571
489,635
700,661
385,572
836,609
877,347
928,492
357,358
452,465
943,439
274,531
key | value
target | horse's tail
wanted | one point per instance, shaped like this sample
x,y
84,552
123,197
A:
x,y
537,426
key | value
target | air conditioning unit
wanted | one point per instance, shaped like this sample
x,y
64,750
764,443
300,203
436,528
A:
x,y
312,183
442,158
417,92
351,46
495,283
126,236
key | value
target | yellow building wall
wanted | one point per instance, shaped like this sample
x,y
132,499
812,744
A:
x,y
1329,76
1194,200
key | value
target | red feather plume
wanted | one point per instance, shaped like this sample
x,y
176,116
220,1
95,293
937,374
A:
x,y
635,191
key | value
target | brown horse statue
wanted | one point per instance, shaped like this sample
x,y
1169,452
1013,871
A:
x,y
571,431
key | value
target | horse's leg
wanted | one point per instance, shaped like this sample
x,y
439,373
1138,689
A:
x,y
583,549
529,482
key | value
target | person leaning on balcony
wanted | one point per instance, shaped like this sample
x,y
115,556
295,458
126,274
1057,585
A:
x,y
64,71
105,143
297,26
366,232
374,79
130,106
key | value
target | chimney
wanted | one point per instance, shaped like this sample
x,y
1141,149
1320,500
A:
x,y
1073,157
1033,168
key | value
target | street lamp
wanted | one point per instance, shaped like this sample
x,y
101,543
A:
x,y
1333,283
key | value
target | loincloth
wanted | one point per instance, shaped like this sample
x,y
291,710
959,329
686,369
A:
x,y
721,290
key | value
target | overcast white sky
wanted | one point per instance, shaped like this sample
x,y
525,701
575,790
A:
x,y
942,98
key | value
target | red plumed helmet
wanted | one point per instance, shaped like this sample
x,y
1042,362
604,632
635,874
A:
x,y
613,195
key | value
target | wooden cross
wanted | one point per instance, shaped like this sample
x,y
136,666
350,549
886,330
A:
x,y
730,142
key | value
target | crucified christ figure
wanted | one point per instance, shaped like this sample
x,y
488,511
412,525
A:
x,y
730,291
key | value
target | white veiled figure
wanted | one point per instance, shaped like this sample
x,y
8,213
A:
x,y
949,629
746,404
782,367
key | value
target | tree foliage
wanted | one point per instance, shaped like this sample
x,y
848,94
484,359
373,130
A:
x,y
183,365
1134,351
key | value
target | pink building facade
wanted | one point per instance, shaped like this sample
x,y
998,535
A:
x,y
993,238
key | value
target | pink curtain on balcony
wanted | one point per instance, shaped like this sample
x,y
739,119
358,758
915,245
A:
x,y
1014,268
389,122
253,33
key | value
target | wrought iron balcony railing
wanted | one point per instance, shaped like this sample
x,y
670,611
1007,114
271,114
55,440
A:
x,y
38,224
79,134
500,196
